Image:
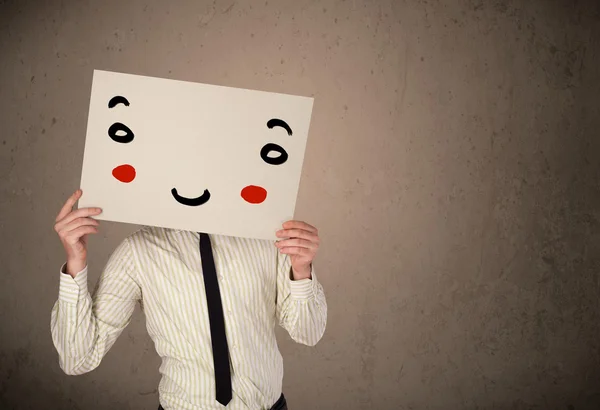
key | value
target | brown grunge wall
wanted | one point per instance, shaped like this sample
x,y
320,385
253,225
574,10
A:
x,y
452,169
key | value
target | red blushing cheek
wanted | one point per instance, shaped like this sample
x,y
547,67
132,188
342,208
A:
x,y
254,194
124,173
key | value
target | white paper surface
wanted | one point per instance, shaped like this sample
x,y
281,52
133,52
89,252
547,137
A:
x,y
194,138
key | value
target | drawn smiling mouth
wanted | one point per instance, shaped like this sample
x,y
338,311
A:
x,y
202,199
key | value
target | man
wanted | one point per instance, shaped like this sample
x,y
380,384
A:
x,y
216,337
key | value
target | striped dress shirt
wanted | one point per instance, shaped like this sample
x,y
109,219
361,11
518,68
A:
x,y
161,270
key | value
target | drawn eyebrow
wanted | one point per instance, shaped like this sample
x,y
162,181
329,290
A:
x,y
118,100
275,122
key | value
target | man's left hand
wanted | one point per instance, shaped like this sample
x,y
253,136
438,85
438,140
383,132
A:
x,y
302,246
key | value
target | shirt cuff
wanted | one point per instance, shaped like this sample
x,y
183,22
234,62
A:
x,y
304,288
72,289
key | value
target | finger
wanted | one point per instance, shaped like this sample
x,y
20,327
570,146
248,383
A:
x,y
298,233
75,235
299,225
296,250
303,243
66,229
80,213
68,206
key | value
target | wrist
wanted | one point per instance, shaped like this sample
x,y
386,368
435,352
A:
x,y
301,273
74,266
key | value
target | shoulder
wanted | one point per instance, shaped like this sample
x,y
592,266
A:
x,y
148,236
247,243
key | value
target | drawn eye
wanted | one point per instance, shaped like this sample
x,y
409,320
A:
x,y
268,149
120,133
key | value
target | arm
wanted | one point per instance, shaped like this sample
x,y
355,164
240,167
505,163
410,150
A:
x,y
301,305
85,327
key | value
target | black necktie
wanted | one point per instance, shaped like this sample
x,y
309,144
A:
x,y
217,322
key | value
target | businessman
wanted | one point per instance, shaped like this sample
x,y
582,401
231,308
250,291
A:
x,y
211,304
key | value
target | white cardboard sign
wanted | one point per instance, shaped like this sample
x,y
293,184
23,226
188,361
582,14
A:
x,y
193,156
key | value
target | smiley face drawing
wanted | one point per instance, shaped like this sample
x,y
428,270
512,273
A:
x,y
193,156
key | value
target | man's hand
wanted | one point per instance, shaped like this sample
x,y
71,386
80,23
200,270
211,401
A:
x,y
302,246
72,228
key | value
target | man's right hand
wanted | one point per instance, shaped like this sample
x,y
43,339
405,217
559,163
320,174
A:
x,y
72,228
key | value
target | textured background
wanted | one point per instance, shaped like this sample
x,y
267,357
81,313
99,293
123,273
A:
x,y
452,168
